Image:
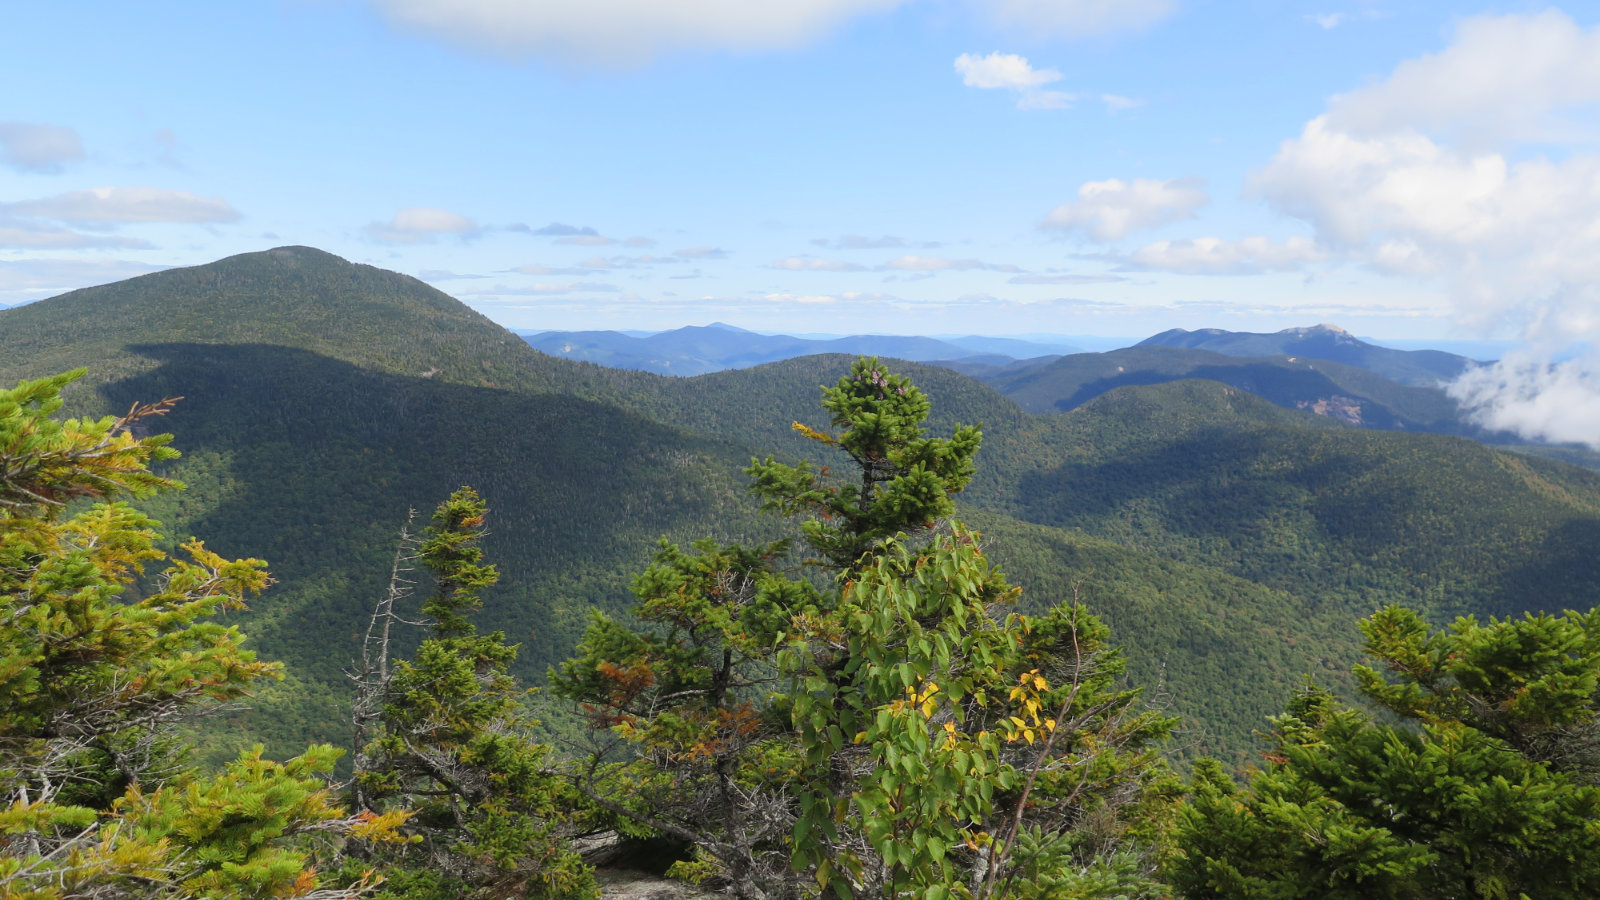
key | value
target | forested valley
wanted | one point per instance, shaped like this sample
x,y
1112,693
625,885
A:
x,y
525,622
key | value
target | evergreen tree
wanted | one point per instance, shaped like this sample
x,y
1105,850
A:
x,y
1485,788
100,799
903,481
893,734
452,746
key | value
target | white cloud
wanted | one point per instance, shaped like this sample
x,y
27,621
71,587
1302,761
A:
x,y
1108,210
422,224
1473,166
644,260
33,279
1504,78
554,288
623,31
535,269
587,240
1534,397
1326,20
1115,103
860,242
1076,18
33,235
914,263
1214,256
557,229
34,147
1064,279
812,264
120,205
1008,71
701,253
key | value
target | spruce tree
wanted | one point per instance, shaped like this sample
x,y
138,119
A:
x,y
452,746
1477,780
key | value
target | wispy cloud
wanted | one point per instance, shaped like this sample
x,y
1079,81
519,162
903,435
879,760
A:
x,y
39,148
813,264
914,263
701,253
859,242
33,279
122,205
30,234
556,229
1010,72
1031,278
1214,256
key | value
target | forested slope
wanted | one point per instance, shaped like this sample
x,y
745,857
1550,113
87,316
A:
x,y
1229,543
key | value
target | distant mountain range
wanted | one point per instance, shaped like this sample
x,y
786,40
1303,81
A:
x,y
1230,543
696,350
1412,367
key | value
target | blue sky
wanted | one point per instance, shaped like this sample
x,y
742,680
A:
x,y
1405,170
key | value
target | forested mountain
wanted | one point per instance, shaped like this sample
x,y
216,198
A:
x,y
1230,544
1344,392
696,350
1412,367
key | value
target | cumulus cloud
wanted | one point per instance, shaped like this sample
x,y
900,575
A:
x,y
813,264
1076,18
1008,71
623,31
1108,210
1214,256
1504,78
120,205
39,148
422,224
1445,170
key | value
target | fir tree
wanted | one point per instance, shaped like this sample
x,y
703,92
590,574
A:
x,y
452,746
1485,787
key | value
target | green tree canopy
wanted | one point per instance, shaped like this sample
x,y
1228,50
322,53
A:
x,y
97,670
1484,787
897,733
